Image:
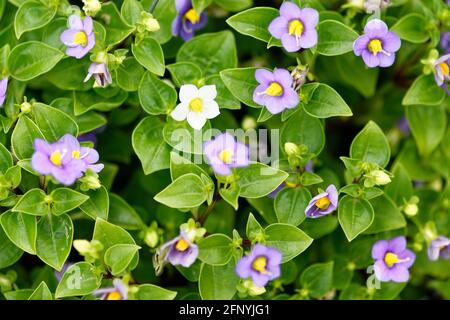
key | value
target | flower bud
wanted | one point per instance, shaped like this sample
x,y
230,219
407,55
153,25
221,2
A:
x,y
411,209
92,7
291,149
151,237
150,23
193,230
249,123
89,249
252,289
90,181
25,107
380,177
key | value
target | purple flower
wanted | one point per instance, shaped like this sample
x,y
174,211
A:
x,y
224,153
275,90
445,41
392,260
3,87
442,70
262,265
88,155
117,292
439,247
80,37
323,204
101,74
403,126
187,20
377,45
180,251
295,27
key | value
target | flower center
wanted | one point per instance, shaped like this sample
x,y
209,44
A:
x,y
80,38
56,158
192,16
392,259
259,264
445,69
274,90
295,28
182,245
76,154
226,156
323,203
114,295
196,105
374,46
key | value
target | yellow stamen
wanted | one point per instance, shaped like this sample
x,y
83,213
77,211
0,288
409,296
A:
x,y
323,203
56,158
274,90
445,69
76,154
196,105
192,16
226,155
391,259
114,295
374,46
259,264
80,38
182,245
295,28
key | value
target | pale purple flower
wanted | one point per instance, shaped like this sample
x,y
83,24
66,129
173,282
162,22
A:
x,y
224,153
3,87
439,248
118,292
101,74
187,20
445,41
295,27
393,260
262,265
377,45
180,251
80,37
323,204
442,71
275,90
88,155
403,126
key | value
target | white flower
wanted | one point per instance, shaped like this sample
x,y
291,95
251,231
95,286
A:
x,y
196,105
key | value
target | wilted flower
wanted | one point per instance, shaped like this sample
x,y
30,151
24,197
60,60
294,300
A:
x,y
439,247
118,292
275,90
180,251
295,27
442,71
196,105
80,37
187,20
377,45
262,265
101,74
224,153
3,88
92,7
445,41
323,204
392,260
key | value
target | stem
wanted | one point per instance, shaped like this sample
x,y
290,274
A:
x,y
207,212
152,8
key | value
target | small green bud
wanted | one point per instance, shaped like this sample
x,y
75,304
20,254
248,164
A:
x,y
410,209
249,123
291,149
91,7
25,107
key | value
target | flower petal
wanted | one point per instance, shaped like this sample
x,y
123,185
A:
x,y
210,109
188,92
278,27
196,120
290,11
290,43
207,93
180,112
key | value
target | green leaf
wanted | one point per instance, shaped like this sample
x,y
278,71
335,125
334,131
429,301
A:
x,y
264,206
234,5
80,279
241,83
165,13
335,38
6,160
231,195
69,75
215,249
388,291
212,52
253,229
52,33
182,137
289,240
355,216
149,54
156,96
184,73
109,234
371,145
258,180
224,97
33,15
254,22
65,200
123,215
412,28
117,29
33,202
400,189
322,101
301,128
317,279
290,205
54,240
129,74
152,292
119,257
425,91
31,59
131,11
180,166
186,191
21,294
428,125
42,292
387,216
97,206
149,145
218,282
200,5
9,252
85,101
23,136
21,229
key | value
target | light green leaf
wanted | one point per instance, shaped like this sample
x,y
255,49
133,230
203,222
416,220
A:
x,y
119,257
123,215
65,200
184,73
290,205
254,22
23,136
117,29
42,292
79,279
21,229
149,54
156,96
33,15
335,38
412,28
317,279
425,91
387,216
33,202
97,205
218,282
241,83
355,216
322,101
215,249
152,292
